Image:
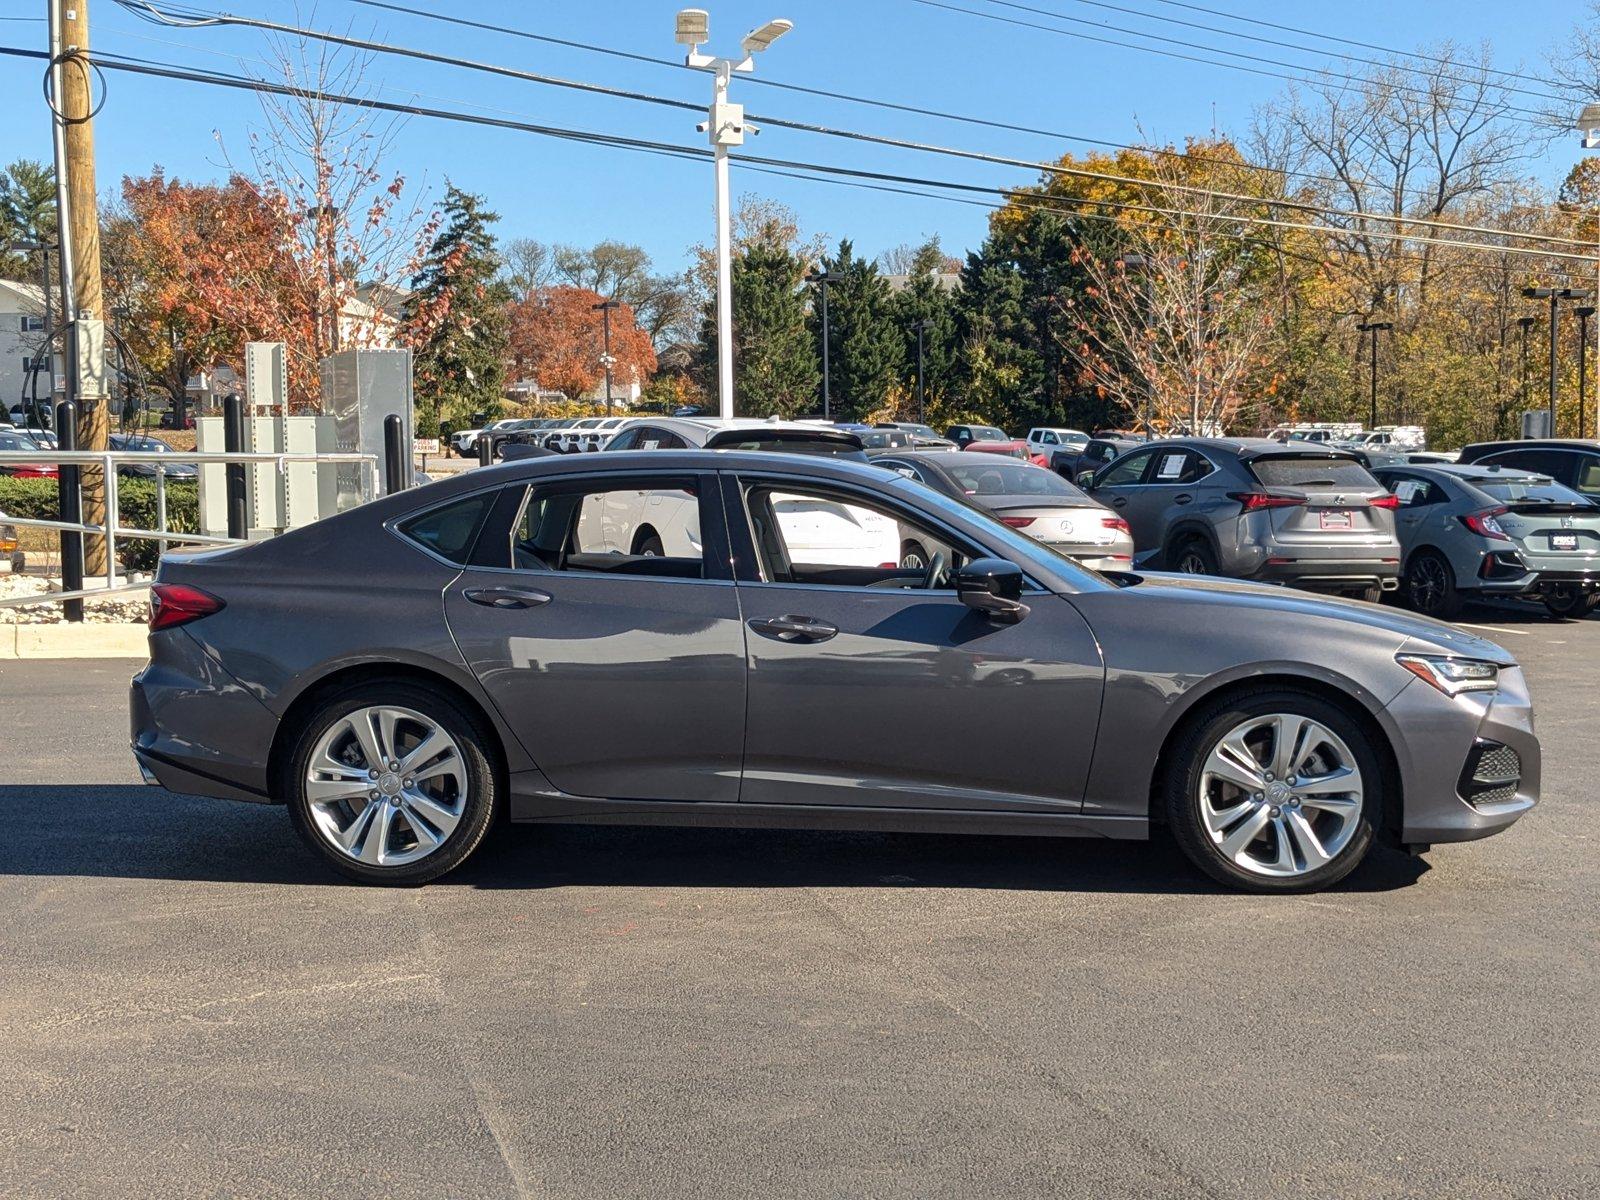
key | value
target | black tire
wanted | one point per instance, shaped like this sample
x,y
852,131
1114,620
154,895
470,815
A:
x,y
1182,779
1429,586
476,744
1566,602
648,543
1193,556
912,556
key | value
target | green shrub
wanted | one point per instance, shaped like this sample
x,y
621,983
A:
x,y
136,503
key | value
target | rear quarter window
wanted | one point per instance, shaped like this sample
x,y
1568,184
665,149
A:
x,y
449,530
1311,471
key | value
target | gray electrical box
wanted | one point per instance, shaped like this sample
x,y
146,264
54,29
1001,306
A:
x,y
360,388
274,501
1536,423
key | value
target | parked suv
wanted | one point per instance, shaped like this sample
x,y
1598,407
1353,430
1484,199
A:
x,y
1492,531
1046,441
1570,461
1253,508
965,435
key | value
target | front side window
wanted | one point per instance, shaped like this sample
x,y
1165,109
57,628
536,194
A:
x,y
1125,471
650,528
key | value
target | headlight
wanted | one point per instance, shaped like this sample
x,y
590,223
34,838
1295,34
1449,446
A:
x,y
1452,676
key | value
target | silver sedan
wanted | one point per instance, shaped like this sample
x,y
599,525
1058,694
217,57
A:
x,y
1038,502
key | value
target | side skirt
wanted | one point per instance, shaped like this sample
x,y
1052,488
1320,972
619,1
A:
x,y
532,808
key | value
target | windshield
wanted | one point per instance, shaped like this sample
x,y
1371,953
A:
x,y
877,439
999,477
1522,493
988,433
17,441
773,443
1314,471
922,431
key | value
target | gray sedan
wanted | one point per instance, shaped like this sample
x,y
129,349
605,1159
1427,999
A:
x,y
1037,501
398,674
1472,531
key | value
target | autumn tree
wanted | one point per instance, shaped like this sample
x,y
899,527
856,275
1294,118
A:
x,y
455,318
557,338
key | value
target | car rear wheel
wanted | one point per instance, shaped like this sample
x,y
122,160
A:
x,y
1429,585
391,783
648,544
1274,791
913,557
1194,557
1566,601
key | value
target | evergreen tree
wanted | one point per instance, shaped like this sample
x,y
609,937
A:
x,y
774,361
455,318
27,214
865,344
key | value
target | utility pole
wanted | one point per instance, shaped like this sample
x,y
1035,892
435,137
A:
x,y
79,221
1584,314
726,127
604,309
820,277
1374,328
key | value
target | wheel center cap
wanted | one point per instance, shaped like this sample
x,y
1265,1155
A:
x,y
1278,792
389,783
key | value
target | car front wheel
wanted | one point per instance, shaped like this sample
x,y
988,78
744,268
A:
x,y
391,783
1274,791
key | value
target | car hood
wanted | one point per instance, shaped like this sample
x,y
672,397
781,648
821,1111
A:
x,y
1424,634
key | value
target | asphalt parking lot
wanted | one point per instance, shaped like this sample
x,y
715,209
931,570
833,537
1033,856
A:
x,y
191,1005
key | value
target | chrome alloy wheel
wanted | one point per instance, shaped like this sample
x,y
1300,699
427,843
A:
x,y
386,786
1281,795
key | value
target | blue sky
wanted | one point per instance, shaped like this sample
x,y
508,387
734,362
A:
x,y
900,50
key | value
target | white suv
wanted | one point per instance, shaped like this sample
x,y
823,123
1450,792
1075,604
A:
x,y
1045,441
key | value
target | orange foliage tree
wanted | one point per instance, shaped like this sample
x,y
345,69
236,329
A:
x,y
557,338
194,271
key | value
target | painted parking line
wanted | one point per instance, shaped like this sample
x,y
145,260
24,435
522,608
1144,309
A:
x,y
1497,629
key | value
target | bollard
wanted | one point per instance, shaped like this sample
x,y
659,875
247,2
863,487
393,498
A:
x,y
69,507
394,455
485,449
233,443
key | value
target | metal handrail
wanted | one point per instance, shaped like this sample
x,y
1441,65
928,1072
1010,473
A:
x,y
108,460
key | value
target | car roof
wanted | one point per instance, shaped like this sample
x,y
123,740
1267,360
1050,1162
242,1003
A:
x,y
1588,444
1471,472
1249,448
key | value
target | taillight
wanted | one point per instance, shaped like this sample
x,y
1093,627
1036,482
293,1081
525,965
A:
x,y
1253,501
1018,522
174,604
1116,523
1484,524
1389,501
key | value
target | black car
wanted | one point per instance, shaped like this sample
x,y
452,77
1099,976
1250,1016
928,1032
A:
x,y
1074,464
1574,462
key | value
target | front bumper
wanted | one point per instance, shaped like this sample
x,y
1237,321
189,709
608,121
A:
x,y
1440,742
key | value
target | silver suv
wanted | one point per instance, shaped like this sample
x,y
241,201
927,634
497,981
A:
x,y
1253,508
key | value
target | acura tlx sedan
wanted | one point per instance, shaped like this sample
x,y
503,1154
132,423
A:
x,y
401,673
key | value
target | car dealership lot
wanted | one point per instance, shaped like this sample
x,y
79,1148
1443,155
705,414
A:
x,y
193,1005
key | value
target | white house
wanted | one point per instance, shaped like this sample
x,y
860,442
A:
x,y
21,342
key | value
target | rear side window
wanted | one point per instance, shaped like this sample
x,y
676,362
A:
x,y
449,530
1311,471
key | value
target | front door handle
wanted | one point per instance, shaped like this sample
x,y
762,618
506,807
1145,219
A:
x,y
1119,502
507,597
1182,498
794,629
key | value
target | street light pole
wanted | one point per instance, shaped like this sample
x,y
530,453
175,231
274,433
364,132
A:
x,y
1374,328
604,309
726,127
1523,324
1584,314
922,392
820,277
1555,296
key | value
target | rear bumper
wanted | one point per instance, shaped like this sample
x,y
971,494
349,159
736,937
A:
x,y
194,727
1328,574
1539,579
1442,737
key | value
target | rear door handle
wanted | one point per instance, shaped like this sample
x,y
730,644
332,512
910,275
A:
x,y
507,597
1182,498
793,629
1119,501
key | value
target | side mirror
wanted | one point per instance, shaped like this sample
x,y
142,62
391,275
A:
x,y
993,587
1086,479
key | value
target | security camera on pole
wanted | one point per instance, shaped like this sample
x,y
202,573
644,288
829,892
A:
x,y
726,127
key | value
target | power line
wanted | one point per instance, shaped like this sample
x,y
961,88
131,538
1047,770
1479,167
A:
x,y
1234,33
144,7
615,141
1536,116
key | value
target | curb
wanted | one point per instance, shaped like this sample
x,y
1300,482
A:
x,y
86,640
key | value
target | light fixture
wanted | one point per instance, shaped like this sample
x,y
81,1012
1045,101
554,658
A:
x,y
694,26
758,40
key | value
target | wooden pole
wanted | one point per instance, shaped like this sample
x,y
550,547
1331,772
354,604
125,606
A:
x,y
75,103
